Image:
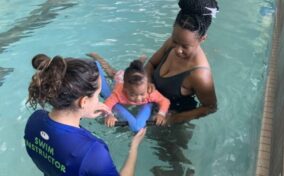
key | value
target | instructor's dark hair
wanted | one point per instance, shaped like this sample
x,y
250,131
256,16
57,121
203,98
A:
x,y
135,73
39,60
59,82
195,15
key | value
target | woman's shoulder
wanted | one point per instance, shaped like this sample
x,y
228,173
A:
x,y
202,58
199,73
39,114
199,79
200,68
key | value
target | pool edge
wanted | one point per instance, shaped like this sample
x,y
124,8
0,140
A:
x,y
264,155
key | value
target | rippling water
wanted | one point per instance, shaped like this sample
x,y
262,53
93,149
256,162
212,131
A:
x,y
238,47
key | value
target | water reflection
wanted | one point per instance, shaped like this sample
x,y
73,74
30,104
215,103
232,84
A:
x,y
3,73
37,18
171,142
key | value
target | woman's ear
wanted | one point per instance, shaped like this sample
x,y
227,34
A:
x,y
82,102
203,38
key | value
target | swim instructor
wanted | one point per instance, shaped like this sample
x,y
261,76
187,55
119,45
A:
x,y
54,140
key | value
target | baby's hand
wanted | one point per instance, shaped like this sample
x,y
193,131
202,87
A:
x,y
110,120
160,120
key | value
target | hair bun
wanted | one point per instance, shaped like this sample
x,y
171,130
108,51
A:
x,y
137,65
188,6
40,61
197,7
58,63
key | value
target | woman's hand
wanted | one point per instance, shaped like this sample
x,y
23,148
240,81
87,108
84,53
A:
x,y
138,138
160,120
101,109
129,166
110,120
176,119
173,118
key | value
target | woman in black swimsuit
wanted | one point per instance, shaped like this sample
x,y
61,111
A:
x,y
179,69
181,72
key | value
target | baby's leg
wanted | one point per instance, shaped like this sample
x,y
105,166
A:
x,y
105,65
143,58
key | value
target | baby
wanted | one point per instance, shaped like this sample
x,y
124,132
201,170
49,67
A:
x,y
131,88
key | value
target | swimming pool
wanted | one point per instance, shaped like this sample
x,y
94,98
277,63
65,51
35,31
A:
x,y
237,47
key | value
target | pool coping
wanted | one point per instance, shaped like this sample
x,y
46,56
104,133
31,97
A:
x,y
264,150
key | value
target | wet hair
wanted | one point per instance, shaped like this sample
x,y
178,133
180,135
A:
x,y
135,73
59,82
194,16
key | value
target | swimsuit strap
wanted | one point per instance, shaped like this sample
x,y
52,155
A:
x,y
165,57
196,68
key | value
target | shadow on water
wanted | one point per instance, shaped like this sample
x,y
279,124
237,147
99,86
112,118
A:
x,y
3,73
37,18
171,141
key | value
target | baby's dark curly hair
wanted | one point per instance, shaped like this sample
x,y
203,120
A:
x,y
135,73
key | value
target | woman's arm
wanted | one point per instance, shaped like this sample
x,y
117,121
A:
x,y
129,166
203,86
156,58
98,161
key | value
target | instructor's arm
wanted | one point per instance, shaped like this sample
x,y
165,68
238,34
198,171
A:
x,y
129,165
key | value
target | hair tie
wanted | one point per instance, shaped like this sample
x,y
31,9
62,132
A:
x,y
213,11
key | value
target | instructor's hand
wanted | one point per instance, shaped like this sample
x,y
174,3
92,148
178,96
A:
x,y
160,120
138,138
101,109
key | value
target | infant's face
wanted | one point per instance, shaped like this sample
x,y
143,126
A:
x,y
137,93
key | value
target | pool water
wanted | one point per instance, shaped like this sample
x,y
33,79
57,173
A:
x,y
238,46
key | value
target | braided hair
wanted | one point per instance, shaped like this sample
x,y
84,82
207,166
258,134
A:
x,y
195,15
